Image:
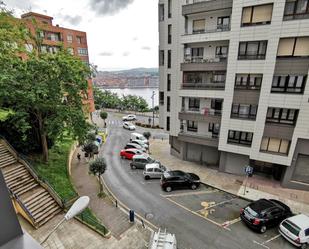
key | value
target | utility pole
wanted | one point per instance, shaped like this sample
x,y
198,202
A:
x,y
152,97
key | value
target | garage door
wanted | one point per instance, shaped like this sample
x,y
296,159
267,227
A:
x,y
301,172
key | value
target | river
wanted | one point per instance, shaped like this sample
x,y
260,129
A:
x,y
146,93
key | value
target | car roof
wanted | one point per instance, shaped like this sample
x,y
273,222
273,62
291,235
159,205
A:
x,y
136,134
152,165
261,205
133,144
131,149
140,156
300,220
173,173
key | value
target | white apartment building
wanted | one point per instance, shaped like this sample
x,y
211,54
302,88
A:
x,y
234,87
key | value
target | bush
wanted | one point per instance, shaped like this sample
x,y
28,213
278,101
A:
x,y
148,125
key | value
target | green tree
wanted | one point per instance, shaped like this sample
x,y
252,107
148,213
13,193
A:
x,y
91,149
147,135
97,168
103,115
43,90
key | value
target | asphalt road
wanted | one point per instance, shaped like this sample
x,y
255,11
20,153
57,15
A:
x,y
192,230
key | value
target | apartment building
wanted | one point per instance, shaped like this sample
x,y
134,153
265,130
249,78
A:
x,y
234,85
55,36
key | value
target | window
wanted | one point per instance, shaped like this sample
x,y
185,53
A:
x,y
214,128
252,50
161,98
223,23
194,104
169,34
293,47
161,12
289,84
221,51
191,126
248,81
79,39
169,58
82,51
71,51
219,77
216,104
296,9
197,55
282,116
307,232
168,103
53,36
168,82
199,26
244,111
161,58
275,145
169,8
69,38
167,123
240,137
257,15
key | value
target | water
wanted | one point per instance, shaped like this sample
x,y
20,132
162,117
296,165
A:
x,y
146,93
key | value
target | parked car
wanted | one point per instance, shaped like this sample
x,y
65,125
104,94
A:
x,y
153,170
129,117
296,230
129,153
262,214
128,126
177,179
141,143
134,146
137,136
139,161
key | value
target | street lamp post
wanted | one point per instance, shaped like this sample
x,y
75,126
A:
x,y
152,97
78,206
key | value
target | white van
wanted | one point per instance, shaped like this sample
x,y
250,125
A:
x,y
137,136
296,230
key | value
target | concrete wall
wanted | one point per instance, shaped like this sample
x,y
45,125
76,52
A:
x,y
233,163
202,154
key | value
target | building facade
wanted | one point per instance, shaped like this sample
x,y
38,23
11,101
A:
x,y
54,37
234,85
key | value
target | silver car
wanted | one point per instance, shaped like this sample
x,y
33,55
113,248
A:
x,y
154,170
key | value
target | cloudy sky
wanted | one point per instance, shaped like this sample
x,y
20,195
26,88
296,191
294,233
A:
x,y
121,34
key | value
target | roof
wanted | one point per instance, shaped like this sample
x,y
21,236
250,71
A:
x,y
301,220
152,165
36,14
140,156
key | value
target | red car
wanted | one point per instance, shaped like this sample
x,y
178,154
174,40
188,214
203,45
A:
x,y
129,153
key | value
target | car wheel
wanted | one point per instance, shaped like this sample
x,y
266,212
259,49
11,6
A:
x,y
133,167
193,187
168,189
147,177
303,246
263,229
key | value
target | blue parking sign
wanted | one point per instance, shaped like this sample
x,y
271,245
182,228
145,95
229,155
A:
x,y
248,170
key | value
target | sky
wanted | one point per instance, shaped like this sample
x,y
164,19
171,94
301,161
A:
x,y
121,34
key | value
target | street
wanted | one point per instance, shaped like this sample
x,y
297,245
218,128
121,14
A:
x,y
204,218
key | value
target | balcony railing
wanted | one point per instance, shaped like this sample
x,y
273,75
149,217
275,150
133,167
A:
x,y
220,28
198,135
296,16
196,1
201,86
200,59
203,111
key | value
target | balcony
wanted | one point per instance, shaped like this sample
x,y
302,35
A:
x,y
219,28
198,6
203,115
202,139
208,64
203,86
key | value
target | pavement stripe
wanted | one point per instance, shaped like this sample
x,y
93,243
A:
x,y
192,212
255,242
217,204
271,239
191,193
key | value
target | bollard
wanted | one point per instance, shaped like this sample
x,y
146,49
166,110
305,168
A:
x,y
131,216
143,224
116,203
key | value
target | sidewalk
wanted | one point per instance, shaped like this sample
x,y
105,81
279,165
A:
x,y
111,216
257,186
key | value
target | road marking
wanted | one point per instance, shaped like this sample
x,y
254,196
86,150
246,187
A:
x,y
230,222
271,239
217,204
255,242
192,212
191,193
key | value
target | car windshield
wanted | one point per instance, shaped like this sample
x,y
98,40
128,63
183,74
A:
x,y
251,211
149,159
292,228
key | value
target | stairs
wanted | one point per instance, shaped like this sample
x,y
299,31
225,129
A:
x,y
39,203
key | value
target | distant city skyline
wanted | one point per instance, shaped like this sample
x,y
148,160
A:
x,y
121,34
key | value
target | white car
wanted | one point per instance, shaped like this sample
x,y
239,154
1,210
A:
x,y
296,230
141,143
134,146
137,136
129,126
154,170
129,117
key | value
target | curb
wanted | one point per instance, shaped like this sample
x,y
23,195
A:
x,y
126,208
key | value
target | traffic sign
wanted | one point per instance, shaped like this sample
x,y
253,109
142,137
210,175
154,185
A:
x,y
248,170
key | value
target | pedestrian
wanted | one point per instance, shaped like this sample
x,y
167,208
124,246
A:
x,y
78,156
149,120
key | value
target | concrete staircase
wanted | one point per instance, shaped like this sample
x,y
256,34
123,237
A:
x,y
34,200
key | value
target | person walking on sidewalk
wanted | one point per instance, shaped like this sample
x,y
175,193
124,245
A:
x,y
78,157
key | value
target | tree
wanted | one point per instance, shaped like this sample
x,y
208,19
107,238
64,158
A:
x,y
90,149
97,168
147,135
44,90
103,115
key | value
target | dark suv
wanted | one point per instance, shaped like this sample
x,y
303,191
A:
x,y
177,179
261,214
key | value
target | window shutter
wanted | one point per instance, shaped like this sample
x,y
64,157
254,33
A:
x,y
246,15
262,13
285,47
199,25
302,46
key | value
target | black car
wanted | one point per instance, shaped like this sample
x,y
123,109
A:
x,y
177,179
262,214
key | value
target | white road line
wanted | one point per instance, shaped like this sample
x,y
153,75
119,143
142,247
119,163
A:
x,y
271,239
255,242
191,193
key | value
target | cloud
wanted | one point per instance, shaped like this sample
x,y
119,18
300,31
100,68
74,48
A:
x,y
109,7
146,48
126,54
25,5
135,38
106,54
74,20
